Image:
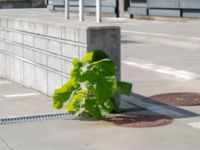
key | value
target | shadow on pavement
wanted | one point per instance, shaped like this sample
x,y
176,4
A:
x,y
157,107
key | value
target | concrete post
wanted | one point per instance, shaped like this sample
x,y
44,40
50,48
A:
x,y
107,39
81,12
66,9
98,11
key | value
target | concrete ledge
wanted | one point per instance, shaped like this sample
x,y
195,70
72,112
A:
x,y
191,13
137,10
163,4
165,12
189,4
39,54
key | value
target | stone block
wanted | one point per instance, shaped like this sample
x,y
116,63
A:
x,y
17,37
82,52
9,23
54,30
17,24
18,51
29,54
82,38
191,13
40,43
165,12
9,67
2,22
40,58
28,26
66,67
54,63
137,11
18,71
54,82
40,77
190,4
40,28
28,40
2,65
70,33
138,3
28,78
2,45
54,47
9,48
9,35
163,4
70,51
2,34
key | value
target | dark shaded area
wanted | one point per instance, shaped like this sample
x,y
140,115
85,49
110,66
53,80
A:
x,y
131,42
185,113
22,4
139,121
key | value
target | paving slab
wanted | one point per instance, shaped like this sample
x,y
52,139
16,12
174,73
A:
x,y
16,100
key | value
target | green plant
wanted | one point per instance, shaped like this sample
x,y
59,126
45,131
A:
x,y
91,87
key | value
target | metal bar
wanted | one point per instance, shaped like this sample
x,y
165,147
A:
x,y
120,8
66,9
81,12
98,11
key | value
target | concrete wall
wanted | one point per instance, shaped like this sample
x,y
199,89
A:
x,y
39,55
171,8
5,5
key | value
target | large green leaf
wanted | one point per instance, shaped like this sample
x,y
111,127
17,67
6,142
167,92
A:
x,y
76,71
76,100
108,105
105,87
63,94
93,56
94,108
124,88
89,75
105,67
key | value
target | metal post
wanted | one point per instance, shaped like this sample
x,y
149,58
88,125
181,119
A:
x,y
66,9
120,8
98,11
81,7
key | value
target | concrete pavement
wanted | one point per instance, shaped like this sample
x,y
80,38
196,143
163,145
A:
x,y
59,134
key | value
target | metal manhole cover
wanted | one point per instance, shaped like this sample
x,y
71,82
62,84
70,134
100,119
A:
x,y
178,99
140,121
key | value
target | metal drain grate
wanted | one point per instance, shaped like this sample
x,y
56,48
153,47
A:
x,y
35,118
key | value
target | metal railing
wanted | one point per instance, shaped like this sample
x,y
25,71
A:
x,y
81,10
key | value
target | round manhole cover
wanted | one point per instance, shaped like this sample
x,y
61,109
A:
x,y
139,121
178,99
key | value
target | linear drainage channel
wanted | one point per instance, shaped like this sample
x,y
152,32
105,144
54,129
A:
x,y
35,118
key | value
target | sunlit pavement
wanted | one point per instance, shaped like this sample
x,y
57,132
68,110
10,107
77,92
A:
x,y
161,57
61,134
